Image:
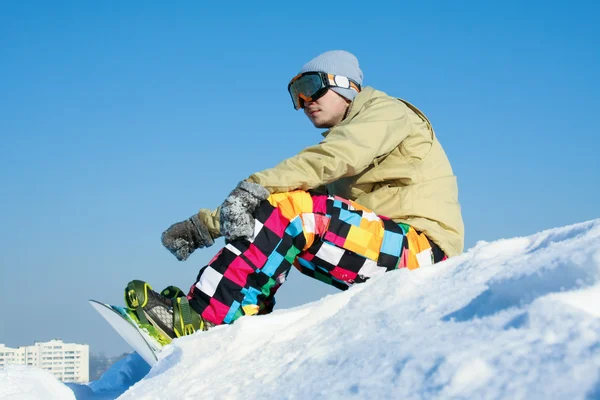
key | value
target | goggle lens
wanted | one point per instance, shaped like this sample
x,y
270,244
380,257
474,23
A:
x,y
305,88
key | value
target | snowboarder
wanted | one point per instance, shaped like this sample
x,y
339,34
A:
x,y
376,194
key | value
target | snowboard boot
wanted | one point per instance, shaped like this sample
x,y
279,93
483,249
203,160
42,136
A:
x,y
169,312
172,292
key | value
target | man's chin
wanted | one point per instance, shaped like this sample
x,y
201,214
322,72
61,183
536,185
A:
x,y
319,124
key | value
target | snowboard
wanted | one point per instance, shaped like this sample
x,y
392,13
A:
x,y
137,337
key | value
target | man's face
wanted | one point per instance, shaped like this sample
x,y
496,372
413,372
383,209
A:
x,y
326,111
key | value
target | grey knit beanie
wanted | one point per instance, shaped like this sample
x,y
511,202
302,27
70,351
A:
x,y
337,62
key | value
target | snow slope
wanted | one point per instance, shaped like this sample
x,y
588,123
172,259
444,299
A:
x,y
27,383
511,319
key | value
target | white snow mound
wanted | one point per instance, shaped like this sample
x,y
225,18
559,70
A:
x,y
19,382
510,319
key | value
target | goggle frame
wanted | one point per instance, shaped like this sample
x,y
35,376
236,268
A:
x,y
326,82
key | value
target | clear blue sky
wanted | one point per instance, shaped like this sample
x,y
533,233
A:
x,y
118,119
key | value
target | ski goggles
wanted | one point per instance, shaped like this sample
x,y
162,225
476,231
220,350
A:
x,y
310,86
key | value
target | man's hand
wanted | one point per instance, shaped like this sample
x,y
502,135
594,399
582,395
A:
x,y
237,219
184,237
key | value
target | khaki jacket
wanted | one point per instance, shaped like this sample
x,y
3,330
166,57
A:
x,y
385,156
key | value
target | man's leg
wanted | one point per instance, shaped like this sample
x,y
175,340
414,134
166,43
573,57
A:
x,y
326,237
358,245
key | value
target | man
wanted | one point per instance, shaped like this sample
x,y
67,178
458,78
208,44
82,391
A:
x,y
376,194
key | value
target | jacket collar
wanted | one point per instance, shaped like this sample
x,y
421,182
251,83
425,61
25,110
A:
x,y
366,94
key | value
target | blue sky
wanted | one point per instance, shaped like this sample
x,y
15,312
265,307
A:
x,y
119,119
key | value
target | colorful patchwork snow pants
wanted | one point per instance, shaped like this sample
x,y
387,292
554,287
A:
x,y
328,238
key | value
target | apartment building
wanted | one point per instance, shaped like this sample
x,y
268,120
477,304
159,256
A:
x,y
69,362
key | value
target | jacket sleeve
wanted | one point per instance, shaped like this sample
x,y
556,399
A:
x,y
347,150
211,219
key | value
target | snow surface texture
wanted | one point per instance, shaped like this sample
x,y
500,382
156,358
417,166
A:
x,y
27,383
511,319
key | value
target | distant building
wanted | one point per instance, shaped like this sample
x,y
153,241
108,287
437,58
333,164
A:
x,y
69,362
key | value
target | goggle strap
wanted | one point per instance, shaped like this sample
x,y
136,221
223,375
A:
x,y
333,82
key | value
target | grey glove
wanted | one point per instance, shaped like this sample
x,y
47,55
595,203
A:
x,y
237,220
184,237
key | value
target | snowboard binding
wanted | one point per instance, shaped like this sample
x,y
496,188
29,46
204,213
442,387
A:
x,y
168,314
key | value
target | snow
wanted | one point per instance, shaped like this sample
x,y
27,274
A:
x,y
20,382
511,319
